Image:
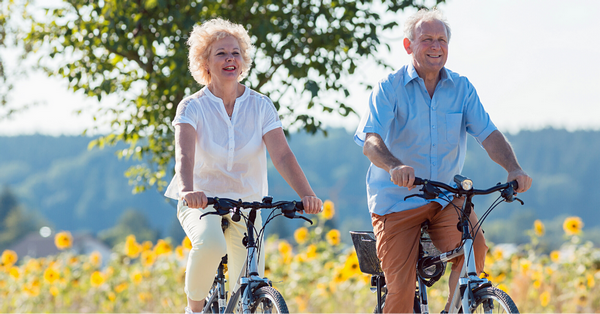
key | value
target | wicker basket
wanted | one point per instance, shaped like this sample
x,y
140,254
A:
x,y
366,250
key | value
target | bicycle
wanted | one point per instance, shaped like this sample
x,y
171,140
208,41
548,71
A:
x,y
255,294
472,294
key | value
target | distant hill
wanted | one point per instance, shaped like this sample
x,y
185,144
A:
x,y
79,189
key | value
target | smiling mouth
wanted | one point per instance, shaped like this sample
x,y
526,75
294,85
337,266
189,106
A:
x,y
229,68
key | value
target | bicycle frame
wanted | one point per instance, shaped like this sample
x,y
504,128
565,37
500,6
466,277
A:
x,y
243,292
468,274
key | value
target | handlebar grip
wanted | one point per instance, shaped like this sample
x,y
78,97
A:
x,y
211,201
419,181
514,184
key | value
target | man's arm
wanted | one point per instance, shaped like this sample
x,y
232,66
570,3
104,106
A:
x,y
379,154
500,151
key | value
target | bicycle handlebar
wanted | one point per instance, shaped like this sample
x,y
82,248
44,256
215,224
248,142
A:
x,y
431,188
224,206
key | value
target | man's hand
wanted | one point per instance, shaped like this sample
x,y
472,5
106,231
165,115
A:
x,y
522,178
194,199
403,176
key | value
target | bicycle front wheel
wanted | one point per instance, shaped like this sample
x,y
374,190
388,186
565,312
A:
x,y
212,304
493,300
269,300
266,300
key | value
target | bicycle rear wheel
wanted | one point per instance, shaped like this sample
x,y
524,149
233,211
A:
x,y
383,296
493,300
266,300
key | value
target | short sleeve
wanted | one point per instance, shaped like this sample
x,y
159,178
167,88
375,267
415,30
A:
x,y
270,117
187,112
379,115
477,121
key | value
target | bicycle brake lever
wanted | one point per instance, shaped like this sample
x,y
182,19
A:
x,y
302,217
520,201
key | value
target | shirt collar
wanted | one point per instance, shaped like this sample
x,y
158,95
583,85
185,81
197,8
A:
x,y
411,74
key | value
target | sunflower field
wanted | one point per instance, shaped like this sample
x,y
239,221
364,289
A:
x,y
315,271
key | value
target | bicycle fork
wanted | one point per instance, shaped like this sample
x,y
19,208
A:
x,y
463,293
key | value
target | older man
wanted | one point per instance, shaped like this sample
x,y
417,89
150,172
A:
x,y
417,123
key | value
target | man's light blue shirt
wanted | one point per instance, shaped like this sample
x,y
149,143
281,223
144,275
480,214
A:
x,y
426,133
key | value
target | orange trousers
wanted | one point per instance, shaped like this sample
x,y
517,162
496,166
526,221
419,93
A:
x,y
398,237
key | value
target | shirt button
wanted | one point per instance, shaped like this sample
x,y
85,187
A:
x,y
433,126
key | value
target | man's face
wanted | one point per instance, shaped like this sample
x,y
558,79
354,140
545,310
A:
x,y
429,48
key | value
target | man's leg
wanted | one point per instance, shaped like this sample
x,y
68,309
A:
x,y
398,249
446,236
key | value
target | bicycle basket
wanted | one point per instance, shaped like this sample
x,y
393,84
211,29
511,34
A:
x,y
366,251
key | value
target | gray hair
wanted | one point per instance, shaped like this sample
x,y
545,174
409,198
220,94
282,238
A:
x,y
424,15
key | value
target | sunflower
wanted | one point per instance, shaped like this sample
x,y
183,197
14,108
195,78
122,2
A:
x,y
301,235
328,209
9,258
573,225
186,243
97,279
148,258
545,298
132,248
162,247
555,256
311,252
14,272
333,237
284,248
136,277
63,240
121,287
96,258
538,228
351,264
51,275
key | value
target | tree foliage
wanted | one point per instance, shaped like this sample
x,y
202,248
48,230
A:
x,y
132,221
136,50
15,222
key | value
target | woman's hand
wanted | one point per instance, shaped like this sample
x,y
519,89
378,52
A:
x,y
312,204
194,199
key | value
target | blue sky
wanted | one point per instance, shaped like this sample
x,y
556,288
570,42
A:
x,y
535,63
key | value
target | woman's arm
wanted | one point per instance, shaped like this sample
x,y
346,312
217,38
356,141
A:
x,y
185,150
286,164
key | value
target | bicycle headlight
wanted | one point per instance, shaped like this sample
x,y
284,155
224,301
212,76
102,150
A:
x,y
467,184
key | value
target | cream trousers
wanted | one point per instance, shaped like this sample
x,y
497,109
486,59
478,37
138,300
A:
x,y
209,245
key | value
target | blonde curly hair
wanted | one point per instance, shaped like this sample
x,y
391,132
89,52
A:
x,y
204,35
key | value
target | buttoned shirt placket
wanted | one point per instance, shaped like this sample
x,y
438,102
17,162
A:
x,y
433,129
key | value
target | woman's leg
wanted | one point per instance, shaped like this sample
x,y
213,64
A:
x,y
208,247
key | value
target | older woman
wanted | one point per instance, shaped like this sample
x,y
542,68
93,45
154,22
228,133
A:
x,y
222,133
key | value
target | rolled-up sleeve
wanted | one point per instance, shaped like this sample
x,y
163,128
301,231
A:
x,y
477,120
379,115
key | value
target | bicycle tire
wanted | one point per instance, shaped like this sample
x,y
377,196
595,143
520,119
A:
x,y
502,303
383,296
266,300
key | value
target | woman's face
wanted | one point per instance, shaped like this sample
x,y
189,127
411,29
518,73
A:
x,y
225,60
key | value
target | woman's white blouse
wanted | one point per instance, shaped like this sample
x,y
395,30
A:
x,y
230,159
